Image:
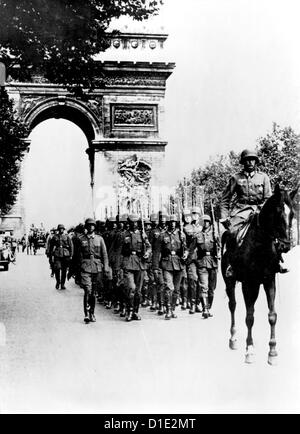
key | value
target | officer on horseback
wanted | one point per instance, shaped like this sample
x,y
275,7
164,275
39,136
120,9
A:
x,y
244,196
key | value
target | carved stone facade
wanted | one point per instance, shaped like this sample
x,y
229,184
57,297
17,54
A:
x,y
123,120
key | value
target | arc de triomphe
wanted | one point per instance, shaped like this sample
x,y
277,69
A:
x,y
123,120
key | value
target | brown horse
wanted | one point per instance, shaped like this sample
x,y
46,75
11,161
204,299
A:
x,y
256,262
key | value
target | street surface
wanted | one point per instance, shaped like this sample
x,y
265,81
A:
x,y
51,362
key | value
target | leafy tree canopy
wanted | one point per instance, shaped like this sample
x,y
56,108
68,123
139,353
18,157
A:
x,y
61,37
12,149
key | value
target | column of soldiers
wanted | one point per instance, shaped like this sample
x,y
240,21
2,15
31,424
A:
x,y
127,263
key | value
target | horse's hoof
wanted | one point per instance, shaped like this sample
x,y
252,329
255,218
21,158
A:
x,y
250,356
233,344
272,360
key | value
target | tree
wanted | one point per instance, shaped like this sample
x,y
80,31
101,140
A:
x,y
214,177
61,37
12,149
279,153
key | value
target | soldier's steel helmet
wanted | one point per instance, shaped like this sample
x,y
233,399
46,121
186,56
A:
x,y
196,210
147,221
248,154
133,217
173,218
60,227
186,212
90,221
206,217
165,217
154,217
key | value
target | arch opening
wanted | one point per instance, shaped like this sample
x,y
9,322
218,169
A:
x,y
56,174
68,113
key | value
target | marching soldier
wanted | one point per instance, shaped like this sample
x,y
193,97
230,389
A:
x,y
173,253
190,274
135,250
203,252
114,257
62,251
148,281
93,260
48,250
156,278
250,189
108,236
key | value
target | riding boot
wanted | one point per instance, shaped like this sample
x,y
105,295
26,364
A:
x,y
192,308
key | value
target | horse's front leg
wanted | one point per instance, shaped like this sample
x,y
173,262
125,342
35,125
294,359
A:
x,y
270,289
250,293
230,291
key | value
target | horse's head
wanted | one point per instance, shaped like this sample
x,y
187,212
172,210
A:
x,y
277,217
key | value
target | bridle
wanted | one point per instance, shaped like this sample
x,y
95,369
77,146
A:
x,y
282,244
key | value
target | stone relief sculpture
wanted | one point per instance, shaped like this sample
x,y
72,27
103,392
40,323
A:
x,y
133,187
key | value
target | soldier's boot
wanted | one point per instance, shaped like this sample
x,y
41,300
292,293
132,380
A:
x,y
63,278
129,315
173,314
92,303
205,313
192,308
210,300
135,315
122,310
184,304
109,294
160,310
57,277
198,308
168,314
153,306
117,308
86,308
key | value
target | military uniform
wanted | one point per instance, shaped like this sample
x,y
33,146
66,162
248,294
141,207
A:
x,y
251,190
62,251
244,195
203,252
155,272
93,258
173,249
134,248
114,256
109,236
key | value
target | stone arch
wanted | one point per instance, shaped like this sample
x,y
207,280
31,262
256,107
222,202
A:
x,y
66,108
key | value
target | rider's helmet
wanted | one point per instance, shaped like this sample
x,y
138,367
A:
x,y
248,154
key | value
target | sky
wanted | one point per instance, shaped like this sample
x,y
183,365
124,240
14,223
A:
x,y
237,71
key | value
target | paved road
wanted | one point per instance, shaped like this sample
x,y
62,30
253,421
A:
x,y
53,363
